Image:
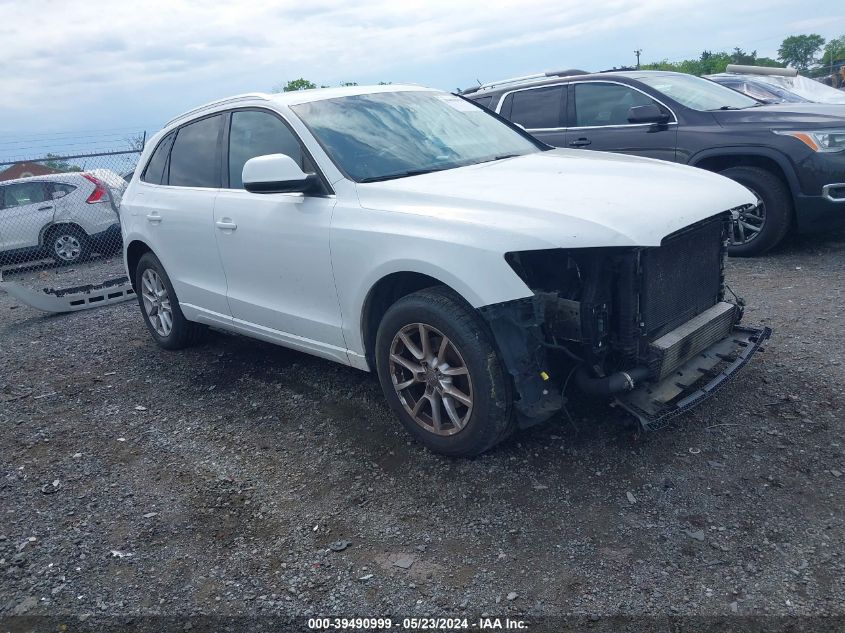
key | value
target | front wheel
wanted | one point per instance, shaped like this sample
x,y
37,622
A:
x,y
759,229
441,374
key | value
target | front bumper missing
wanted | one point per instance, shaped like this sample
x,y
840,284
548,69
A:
x,y
656,404
71,299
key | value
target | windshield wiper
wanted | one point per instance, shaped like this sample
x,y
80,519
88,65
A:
x,y
402,174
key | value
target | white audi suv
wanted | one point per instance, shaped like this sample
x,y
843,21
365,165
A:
x,y
406,231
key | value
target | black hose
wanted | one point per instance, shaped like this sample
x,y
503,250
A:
x,y
609,385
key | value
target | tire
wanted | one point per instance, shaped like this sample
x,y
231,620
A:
x,y
464,430
68,244
151,281
776,210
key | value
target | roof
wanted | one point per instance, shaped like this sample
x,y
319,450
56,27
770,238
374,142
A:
x,y
53,176
299,96
546,79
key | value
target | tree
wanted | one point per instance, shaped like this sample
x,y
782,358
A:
x,y
136,142
294,85
58,163
834,51
799,51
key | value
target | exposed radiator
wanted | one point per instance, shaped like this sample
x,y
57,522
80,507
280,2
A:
x,y
681,278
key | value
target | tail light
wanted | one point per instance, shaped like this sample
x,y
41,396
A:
x,y
100,193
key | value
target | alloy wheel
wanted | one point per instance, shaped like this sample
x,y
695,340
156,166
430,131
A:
x,y
67,247
431,379
747,223
156,302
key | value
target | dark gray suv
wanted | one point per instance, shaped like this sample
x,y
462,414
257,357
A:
x,y
791,156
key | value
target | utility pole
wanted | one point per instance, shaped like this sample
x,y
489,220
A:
x,y
637,53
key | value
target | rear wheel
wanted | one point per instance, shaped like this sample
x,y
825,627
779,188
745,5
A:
x,y
160,307
68,244
441,374
757,230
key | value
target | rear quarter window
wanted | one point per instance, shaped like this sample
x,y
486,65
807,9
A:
x,y
155,173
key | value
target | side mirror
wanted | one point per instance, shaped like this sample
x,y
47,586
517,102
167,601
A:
x,y
276,173
650,113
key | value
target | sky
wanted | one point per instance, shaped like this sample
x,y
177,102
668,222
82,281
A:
x,y
84,74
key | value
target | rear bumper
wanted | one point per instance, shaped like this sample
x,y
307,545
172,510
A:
x,y
655,404
110,238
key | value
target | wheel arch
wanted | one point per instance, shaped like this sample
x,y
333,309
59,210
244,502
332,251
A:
x,y
383,294
50,228
722,158
134,251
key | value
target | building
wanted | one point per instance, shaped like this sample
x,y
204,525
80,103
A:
x,y
26,169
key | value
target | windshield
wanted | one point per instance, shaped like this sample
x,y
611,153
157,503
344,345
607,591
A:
x,y
698,93
394,134
774,93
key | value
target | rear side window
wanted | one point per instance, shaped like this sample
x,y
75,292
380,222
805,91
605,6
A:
x,y
253,133
155,173
538,108
195,157
24,193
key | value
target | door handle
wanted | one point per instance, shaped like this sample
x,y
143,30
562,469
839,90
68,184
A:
x,y
153,218
224,225
47,208
581,142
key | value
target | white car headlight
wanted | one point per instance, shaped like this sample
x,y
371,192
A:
x,y
819,140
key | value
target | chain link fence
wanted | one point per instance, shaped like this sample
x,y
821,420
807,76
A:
x,y
60,237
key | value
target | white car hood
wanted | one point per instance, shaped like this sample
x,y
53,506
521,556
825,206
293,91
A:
x,y
564,198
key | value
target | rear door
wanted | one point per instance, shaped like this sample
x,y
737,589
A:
x,y
175,202
541,111
598,117
27,210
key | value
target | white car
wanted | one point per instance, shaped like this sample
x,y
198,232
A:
x,y
65,216
407,231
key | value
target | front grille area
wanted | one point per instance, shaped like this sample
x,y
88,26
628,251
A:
x,y
681,278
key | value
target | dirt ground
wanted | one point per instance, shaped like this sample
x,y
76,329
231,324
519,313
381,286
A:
x,y
221,480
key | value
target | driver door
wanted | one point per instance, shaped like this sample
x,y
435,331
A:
x,y
598,114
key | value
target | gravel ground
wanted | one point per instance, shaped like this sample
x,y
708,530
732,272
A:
x,y
220,480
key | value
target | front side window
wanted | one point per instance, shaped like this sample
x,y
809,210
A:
x,y
253,133
388,135
24,193
538,108
156,172
697,93
195,157
606,104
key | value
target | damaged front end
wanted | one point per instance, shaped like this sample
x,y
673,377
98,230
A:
x,y
648,327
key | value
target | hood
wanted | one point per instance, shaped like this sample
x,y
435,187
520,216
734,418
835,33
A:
x,y
564,198
786,115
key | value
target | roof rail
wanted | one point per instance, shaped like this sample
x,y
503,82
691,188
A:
x,y
235,99
515,80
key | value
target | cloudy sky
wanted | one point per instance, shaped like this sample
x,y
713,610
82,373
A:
x,y
72,70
